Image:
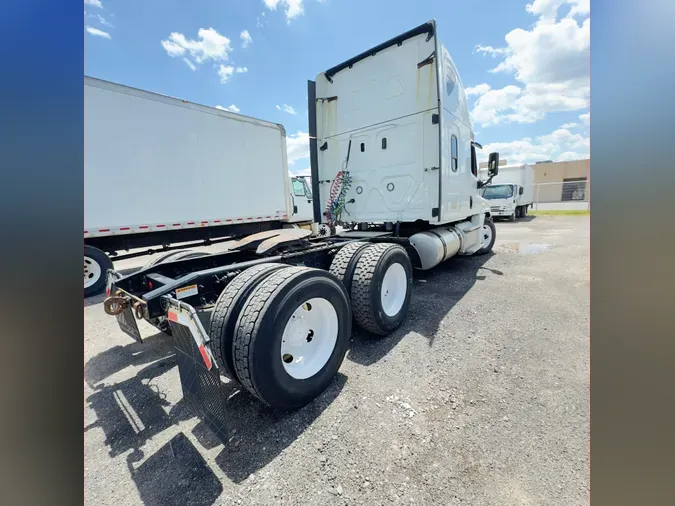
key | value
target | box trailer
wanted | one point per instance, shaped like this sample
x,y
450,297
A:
x,y
393,161
511,193
160,171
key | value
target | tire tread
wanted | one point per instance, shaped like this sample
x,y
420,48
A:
x,y
219,317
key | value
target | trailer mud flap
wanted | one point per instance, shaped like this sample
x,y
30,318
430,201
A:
x,y
127,323
199,377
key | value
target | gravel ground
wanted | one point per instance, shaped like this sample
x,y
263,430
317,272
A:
x,y
481,397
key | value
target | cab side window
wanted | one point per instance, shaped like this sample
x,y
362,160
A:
x,y
453,153
298,188
474,164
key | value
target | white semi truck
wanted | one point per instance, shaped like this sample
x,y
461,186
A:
x,y
511,193
393,160
161,171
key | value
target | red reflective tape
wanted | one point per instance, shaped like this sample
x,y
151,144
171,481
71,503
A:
x,y
205,356
86,231
191,222
268,217
216,221
104,230
125,228
239,219
143,226
229,219
172,316
176,224
160,226
249,218
203,222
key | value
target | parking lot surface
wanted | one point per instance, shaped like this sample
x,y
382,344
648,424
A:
x,y
481,397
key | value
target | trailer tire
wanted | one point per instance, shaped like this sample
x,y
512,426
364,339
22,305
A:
x,y
344,262
290,309
96,265
489,231
226,312
381,287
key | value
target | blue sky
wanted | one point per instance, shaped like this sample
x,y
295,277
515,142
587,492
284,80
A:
x,y
525,64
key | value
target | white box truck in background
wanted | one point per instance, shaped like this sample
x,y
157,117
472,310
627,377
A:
x,y
392,158
161,171
511,192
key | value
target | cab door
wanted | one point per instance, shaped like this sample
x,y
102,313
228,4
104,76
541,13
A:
x,y
301,196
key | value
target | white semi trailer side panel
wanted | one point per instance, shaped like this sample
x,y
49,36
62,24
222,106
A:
x,y
155,163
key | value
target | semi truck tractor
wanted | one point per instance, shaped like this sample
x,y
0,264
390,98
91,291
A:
x,y
393,161
511,193
166,172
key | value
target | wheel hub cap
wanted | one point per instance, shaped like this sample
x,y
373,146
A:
x,y
92,271
394,289
309,338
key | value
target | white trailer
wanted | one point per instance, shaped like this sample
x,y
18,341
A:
x,y
511,192
393,161
161,171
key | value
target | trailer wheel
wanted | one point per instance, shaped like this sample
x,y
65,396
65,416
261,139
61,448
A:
x,y
96,265
344,262
292,336
227,310
381,288
513,216
172,256
489,235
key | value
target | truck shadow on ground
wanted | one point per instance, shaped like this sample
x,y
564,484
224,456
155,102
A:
x,y
175,475
435,293
258,434
132,411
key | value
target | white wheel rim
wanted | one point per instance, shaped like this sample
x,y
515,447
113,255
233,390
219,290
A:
x,y
92,272
309,338
394,289
487,236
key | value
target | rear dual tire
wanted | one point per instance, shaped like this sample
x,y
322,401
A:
x,y
379,280
292,336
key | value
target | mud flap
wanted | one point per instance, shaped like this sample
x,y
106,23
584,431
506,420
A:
x,y
127,323
198,371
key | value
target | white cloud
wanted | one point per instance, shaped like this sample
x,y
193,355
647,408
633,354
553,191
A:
x,y
94,3
286,108
491,105
489,50
258,23
560,145
101,20
210,46
297,147
550,61
189,64
97,32
567,126
246,38
232,108
586,118
292,8
479,89
241,70
548,9
301,172
225,72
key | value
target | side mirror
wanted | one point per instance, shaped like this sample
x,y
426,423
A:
x,y
493,164
520,190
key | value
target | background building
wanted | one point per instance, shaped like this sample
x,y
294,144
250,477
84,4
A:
x,y
559,181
